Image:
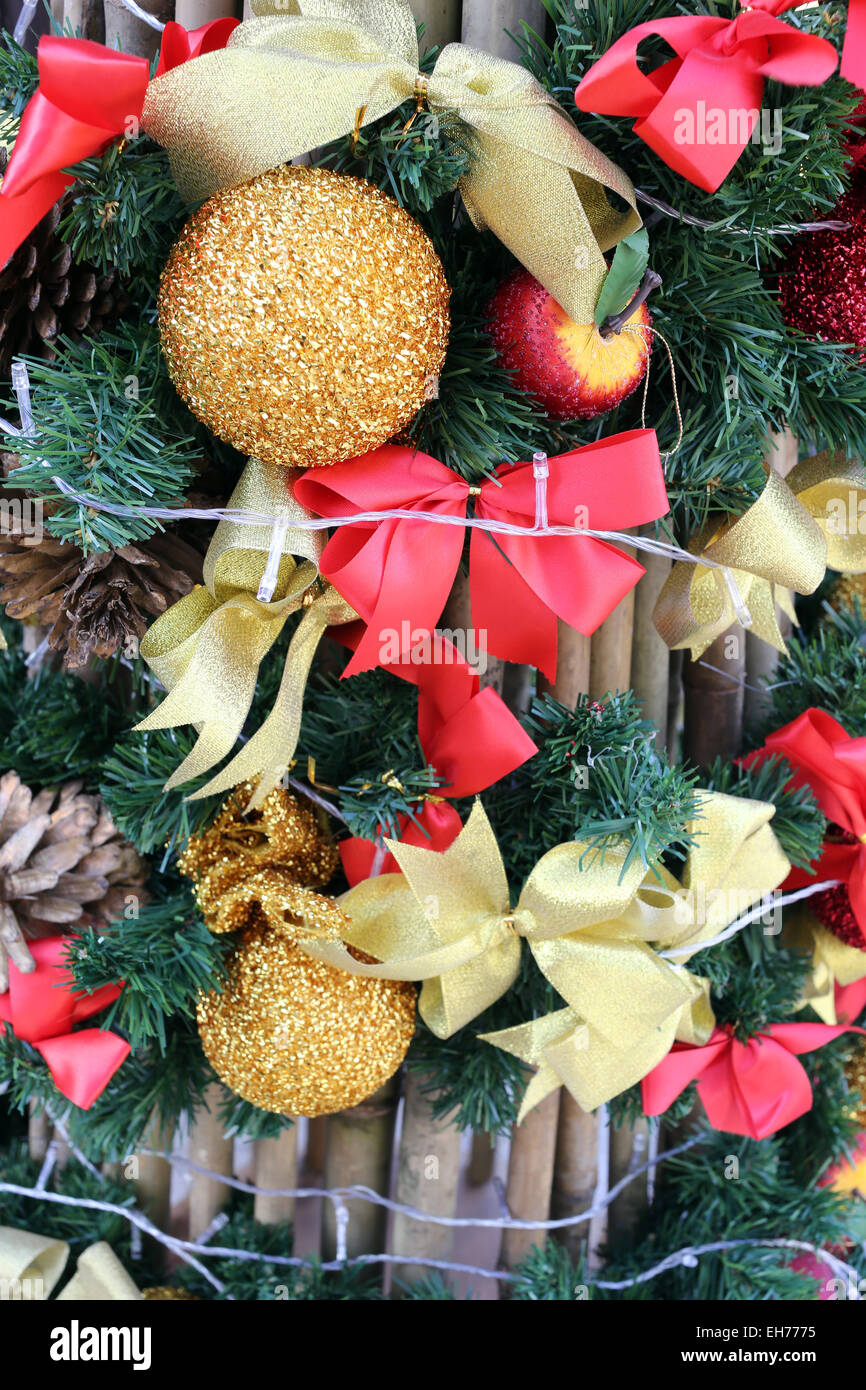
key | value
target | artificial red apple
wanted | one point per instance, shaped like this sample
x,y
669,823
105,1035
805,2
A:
x,y
569,368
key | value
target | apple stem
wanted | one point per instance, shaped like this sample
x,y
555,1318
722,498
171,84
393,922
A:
x,y
614,323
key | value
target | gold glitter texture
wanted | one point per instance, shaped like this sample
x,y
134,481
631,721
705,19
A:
x,y
282,838
855,1075
303,315
291,1034
164,1292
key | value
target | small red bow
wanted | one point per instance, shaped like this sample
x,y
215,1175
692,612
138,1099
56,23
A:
x,y
833,764
467,734
87,96
753,1088
698,110
398,573
42,1007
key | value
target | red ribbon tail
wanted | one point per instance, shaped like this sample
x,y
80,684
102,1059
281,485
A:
x,y
82,1064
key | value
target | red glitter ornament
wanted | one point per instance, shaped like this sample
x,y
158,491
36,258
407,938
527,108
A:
x,y
833,908
569,368
822,286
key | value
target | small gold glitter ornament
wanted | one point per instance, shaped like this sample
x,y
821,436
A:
x,y
164,1292
846,589
291,1034
304,316
281,842
855,1075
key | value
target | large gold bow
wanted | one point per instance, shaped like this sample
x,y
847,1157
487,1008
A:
x,y
305,71
31,1265
588,919
207,649
784,541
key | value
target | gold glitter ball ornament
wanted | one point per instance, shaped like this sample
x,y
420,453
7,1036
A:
x,y
304,316
855,1075
293,1035
846,589
165,1292
282,839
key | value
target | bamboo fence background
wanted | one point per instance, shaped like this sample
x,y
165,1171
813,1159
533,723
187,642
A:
x,y
560,1162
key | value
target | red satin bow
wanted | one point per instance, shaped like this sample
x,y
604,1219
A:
x,y
833,764
41,1009
717,78
754,1088
467,734
87,96
398,573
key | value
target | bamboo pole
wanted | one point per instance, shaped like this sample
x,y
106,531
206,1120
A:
x,y
761,658
86,17
427,1176
488,23
610,660
126,31
441,20
39,1130
193,13
649,680
208,1148
566,1185
276,1165
713,688
358,1153
649,653
530,1178
151,1180
481,1159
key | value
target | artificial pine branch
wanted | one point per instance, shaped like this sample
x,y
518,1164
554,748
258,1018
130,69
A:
x,y
826,669
165,956
108,423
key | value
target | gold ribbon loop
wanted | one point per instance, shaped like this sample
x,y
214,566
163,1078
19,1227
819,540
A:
x,y
447,920
785,540
207,649
297,77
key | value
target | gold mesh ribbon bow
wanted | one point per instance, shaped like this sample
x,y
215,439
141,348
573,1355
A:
x,y
207,649
31,1265
784,541
304,72
588,920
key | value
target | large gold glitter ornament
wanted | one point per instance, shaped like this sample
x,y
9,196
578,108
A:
x,y
291,1034
304,316
281,842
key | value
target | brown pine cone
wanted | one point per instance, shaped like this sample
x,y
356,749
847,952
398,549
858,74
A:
x,y
98,604
44,295
61,861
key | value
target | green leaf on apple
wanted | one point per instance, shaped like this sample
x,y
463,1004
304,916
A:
x,y
626,272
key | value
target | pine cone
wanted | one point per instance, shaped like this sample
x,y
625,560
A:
x,y
58,851
98,604
43,294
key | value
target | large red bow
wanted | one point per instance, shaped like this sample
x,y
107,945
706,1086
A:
x,y
833,764
87,96
754,1087
42,1007
698,110
467,734
398,573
